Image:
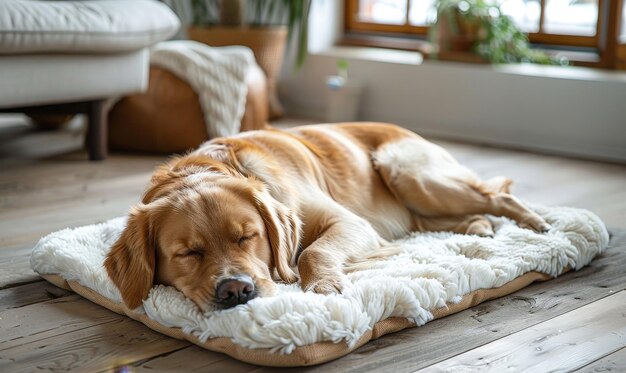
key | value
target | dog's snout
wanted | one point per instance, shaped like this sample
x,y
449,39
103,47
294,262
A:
x,y
235,290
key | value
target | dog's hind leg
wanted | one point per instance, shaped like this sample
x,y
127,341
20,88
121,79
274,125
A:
x,y
433,185
465,224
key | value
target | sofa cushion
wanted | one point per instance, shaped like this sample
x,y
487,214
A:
x,y
41,79
103,26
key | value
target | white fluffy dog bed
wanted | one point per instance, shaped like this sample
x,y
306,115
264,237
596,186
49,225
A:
x,y
436,274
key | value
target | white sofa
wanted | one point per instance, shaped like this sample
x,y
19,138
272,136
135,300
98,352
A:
x,y
71,56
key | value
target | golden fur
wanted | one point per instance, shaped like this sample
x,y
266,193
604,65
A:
x,y
266,202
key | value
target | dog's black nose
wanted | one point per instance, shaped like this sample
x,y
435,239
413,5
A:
x,y
235,290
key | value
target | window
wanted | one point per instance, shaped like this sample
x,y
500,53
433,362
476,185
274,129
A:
x,y
577,24
396,12
390,16
560,22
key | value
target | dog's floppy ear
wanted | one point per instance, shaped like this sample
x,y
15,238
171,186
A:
x,y
131,261
283,231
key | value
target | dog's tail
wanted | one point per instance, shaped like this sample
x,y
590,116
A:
x,y
371,259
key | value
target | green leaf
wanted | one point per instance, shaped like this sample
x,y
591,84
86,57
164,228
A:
x,y
500,42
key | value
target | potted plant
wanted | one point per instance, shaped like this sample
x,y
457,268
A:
x,y
265,26
477,31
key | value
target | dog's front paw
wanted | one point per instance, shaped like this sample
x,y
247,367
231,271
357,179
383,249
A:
x,y
536,224
327,285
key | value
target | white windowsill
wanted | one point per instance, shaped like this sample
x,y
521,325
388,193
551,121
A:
x,y
531,70
374,54
563,72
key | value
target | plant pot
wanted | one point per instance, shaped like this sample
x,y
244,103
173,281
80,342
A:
x,y
467,27
461,43
456,38
267,44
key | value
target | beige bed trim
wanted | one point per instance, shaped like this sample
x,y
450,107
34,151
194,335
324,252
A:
x,y
316,353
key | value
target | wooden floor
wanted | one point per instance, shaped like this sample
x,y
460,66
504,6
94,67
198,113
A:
x,y
577,321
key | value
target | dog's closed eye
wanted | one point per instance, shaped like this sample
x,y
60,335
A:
x,y
191,253
242,241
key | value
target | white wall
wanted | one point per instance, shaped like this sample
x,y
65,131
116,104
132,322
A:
x,y
573,111
325,29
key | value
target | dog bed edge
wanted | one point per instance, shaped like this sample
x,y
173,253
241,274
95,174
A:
x,y
312,354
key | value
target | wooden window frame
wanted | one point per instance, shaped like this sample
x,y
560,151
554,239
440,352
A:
x,y
615,50
352,24
542,37
608,22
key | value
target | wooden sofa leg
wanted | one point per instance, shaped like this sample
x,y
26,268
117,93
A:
x,y
97,130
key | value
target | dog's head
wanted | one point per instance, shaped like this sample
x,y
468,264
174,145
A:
x,y
216,235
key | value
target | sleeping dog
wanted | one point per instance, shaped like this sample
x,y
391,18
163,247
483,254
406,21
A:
x,y
226,221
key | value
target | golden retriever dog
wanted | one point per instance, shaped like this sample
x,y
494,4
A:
x,y
226,221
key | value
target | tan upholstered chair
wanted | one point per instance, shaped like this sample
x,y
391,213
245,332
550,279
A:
x,y
167,118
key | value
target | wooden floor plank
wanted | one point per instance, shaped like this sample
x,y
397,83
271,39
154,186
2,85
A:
x,y
51,198
37,183
29,223
25,295
71,170
96,348
70,332
15,250
40,198
15,265
16,270
564,343
615,362
194,359
51,318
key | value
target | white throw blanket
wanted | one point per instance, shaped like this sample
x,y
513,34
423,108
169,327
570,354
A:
x,y
434,268
217,75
